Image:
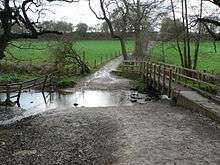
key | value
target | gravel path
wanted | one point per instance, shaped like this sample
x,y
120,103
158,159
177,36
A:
x,y
155,133
152,134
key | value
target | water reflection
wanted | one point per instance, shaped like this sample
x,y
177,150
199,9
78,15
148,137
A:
x,y
84,98
34,102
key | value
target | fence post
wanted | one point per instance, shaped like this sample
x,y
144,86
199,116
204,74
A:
x,y
101,60
123,67
179,72
84,56
95,63
141,67
133,65
200,79
170,83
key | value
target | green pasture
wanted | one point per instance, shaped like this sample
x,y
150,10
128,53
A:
x,y
95,50
208,60
42,52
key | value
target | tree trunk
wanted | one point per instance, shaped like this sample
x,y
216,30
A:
x,y
184,37
177,36
3,46
139,53
197,45
215,47
188,37
123,49
163,52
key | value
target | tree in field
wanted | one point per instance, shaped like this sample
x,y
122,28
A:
x,y
81,28
20,13
104,27
142,17
114,12
170,30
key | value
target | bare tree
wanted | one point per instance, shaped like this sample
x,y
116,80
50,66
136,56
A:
x,y
110,9
197,43
19,13
185,52
210,20
142,17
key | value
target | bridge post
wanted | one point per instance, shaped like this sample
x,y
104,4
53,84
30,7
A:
x,y
19,95
164,79
147,74
150,74
143,71
8,101
154,76
44,84
159,74
8,93
170,83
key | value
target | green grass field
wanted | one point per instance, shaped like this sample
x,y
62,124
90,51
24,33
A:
x,y
41,52
94,50
208,59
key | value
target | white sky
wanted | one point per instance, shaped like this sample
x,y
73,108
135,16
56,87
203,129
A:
x,y
79,12
74,13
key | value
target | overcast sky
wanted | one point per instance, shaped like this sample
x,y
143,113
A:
x,y
79,12
74,13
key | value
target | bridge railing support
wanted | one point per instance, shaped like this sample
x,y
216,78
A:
x,y
8,98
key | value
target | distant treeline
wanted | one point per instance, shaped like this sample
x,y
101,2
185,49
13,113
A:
x,y
92,36
155,36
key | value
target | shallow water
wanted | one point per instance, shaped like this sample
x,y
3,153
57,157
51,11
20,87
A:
x,y
34,102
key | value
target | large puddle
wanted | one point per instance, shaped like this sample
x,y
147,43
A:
x,y
33,102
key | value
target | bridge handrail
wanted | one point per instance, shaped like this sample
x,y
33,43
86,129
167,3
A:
x,y
13,87
176,75
205,77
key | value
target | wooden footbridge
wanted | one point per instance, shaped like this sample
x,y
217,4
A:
x,y
188,88
169,79
14,90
